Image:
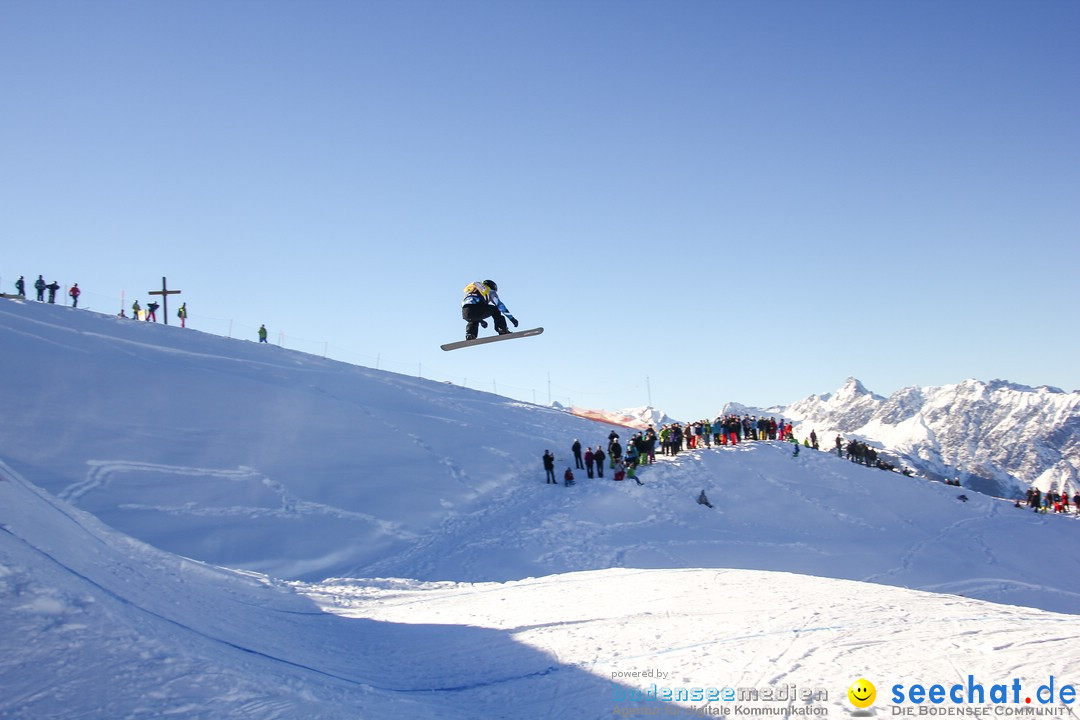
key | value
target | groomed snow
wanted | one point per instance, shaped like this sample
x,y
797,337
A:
x,y
416,565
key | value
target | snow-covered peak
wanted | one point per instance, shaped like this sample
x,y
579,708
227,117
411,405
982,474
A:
x,y
638,418
997,437
648,416
852,388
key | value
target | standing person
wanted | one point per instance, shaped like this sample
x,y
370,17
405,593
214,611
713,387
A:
x,y
813,440
20,286
549,468
39,285
136,311
598,458
588,462
614,450
262,333
839,446
151,312
182,314
482,301
576,448
53,287
75,292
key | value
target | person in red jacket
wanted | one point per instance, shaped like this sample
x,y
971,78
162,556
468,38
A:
x,y
74,292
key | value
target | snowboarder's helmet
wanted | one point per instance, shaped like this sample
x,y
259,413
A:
x,y
491,284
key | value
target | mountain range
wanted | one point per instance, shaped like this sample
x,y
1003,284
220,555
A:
x,y
995,437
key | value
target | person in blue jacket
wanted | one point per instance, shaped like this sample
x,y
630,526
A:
x,y
480,303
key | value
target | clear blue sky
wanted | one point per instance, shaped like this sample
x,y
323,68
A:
x,y
741,201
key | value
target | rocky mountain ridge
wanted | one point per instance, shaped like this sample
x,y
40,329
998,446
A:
x,y
996,437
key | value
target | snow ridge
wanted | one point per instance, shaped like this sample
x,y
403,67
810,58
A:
x,y
996,437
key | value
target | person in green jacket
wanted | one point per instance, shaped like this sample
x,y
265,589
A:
x,y
262,333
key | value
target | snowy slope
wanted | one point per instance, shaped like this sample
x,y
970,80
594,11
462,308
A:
x,y
258,458
95,625
500,596
252,456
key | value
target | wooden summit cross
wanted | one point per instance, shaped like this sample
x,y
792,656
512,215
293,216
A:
x,y
164,292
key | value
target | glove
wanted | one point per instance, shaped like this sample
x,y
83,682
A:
x,y
513,320
483,323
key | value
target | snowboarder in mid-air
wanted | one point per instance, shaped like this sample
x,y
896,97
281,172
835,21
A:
x,y
481,302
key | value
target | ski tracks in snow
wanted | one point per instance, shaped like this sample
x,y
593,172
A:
x,y
286,505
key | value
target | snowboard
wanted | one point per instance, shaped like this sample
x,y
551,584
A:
x,y
492,338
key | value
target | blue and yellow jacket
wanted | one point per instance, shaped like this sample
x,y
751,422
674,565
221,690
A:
x,y
478,292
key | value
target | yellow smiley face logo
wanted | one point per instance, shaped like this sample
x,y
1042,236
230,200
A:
x,y
862,693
